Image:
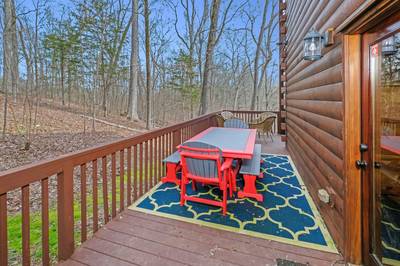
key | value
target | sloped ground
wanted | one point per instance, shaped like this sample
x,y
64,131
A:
x,y
56,130
48,145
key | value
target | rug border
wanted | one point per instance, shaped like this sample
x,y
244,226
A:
x,y
331,248
391,262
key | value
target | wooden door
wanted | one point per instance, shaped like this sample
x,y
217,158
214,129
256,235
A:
x,y
380,123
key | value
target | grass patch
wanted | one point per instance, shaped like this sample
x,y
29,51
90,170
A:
x,y
15,223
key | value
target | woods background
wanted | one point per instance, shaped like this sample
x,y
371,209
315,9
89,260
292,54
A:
x,y
156,61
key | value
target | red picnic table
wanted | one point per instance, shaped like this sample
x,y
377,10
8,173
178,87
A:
x,y
235,143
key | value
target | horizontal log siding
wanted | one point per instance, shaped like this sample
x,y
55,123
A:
x,y
315,105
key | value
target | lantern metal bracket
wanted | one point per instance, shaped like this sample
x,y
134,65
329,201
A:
x,y
328,37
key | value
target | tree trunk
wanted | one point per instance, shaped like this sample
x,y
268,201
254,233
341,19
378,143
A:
x,y
69,80
257,56
29,91
148,74
133,80
8,54
62,77
14,50
209,56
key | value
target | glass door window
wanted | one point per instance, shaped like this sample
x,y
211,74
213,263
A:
x,y
385,118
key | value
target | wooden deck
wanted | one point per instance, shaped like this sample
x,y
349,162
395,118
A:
x,y
273,147
142,239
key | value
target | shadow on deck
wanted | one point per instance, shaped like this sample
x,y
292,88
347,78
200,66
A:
x,y
136,238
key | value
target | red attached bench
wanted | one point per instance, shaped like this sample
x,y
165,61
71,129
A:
x,y
250,170
173,164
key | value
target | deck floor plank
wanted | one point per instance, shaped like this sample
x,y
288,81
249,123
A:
x,y
93,257
164,251
232,241
214,250
71,262
110,243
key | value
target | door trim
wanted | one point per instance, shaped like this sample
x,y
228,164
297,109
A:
x,y
352,137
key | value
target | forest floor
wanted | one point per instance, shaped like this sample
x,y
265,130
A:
x,y
58,130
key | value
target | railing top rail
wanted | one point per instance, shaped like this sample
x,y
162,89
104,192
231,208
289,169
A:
x,y
23,175
20,176
250,112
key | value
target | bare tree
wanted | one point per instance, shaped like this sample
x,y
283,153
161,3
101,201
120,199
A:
x,y
133,80
263,48
8,54
14,49
191,36
148,73
211,42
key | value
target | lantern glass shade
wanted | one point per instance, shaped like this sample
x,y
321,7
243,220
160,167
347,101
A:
x,y
312,46
389,46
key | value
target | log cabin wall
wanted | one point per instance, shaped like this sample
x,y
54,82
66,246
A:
x,y
314,105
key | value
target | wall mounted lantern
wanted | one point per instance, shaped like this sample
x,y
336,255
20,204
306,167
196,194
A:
x,y
389,46
313,44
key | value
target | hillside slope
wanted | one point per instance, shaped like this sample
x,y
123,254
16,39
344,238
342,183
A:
x,y
58,130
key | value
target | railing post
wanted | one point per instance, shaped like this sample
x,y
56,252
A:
x,y
176,139
65,211
3,230
211,121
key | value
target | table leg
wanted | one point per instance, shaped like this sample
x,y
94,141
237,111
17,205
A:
x,y
172,169
249,189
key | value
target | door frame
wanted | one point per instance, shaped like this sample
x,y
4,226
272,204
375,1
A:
x,y
373,36
353,29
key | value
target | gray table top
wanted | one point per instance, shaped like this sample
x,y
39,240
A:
x,y
234,142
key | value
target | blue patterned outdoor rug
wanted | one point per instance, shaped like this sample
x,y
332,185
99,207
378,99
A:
x,y
287,214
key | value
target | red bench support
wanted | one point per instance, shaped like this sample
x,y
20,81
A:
x,y
172,169
249,189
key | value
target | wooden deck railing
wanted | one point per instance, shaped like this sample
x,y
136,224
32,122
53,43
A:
x,y
115,174
249,116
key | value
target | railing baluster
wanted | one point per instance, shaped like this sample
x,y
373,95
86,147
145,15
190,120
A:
x,y
135,173
129,174
113,186
140,169
65,212
169,143
26,250
83,204
166,145
3,230
146,166
95,197
151,163
176,140
155,161
105,191
159,164
163,152
45,222
121,180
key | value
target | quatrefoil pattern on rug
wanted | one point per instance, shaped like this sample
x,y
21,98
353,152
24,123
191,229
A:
x,y
287,213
